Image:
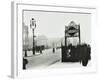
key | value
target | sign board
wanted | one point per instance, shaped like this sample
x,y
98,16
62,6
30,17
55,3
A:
x,y
72,29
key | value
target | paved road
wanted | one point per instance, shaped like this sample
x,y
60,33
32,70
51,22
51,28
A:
x,y
43,60
48,59
68,65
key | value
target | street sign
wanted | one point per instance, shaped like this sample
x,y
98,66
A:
x,y
72,31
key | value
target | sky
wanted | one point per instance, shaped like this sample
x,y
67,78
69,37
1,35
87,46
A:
x,y
52,24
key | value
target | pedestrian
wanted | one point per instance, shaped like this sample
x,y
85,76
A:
x,y
25,61
53,50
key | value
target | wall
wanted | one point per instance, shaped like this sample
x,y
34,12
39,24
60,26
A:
x,y
5,38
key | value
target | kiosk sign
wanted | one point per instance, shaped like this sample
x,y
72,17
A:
x,y
72,29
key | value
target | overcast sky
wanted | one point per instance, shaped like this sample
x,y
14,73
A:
x,y
52,24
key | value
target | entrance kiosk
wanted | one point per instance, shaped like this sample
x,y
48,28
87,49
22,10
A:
x,y
78,53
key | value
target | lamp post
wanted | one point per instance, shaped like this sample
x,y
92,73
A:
x,y
33,26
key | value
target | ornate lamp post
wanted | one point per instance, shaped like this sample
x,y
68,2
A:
x,y
33,26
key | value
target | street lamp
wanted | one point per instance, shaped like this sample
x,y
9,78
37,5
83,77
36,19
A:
x,y
33,26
